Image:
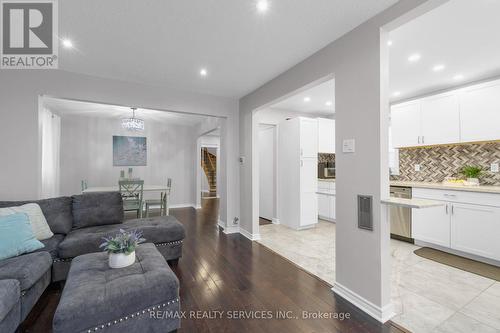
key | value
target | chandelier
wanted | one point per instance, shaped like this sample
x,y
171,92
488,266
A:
x,y
133,124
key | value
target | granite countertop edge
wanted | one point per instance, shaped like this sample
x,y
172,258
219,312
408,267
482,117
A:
x,y
440,186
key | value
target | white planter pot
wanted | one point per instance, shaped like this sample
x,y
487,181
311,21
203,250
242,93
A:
x,y
473,181
120,260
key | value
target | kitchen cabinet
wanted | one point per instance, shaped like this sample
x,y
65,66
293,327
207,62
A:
x,y
469,222
326,135
432,225
464,115
406,124
326,200
298,172
476,229
440,120
480,112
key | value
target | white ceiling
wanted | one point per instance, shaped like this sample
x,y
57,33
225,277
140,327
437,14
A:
x,y
68,108
318,95
168,42
463,35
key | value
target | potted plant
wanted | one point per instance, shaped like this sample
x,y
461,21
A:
x,y
121,248
472,174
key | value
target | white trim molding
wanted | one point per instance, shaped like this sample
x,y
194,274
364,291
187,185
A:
x,y
275,220
252,237
382,314
228,229
186,205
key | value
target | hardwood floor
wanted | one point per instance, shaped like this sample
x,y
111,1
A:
x,y
263,221
220,272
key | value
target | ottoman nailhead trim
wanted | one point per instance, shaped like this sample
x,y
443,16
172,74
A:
x,y
169,243
137,314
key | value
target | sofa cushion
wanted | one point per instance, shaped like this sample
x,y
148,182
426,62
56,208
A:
x,y
27,269
37,220
95,209
52,245
16,236
57,212
9,295
156,230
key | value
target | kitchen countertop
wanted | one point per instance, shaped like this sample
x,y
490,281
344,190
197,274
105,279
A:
x,y
455,187
331,180
412,203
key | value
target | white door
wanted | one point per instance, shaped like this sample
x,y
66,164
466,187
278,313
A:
x,y
308,138
308,188
406,124
326,136
267,155
480,113
432,225
440,120
476,229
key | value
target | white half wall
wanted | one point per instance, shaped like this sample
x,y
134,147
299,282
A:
x,y
19,105
87,153
358,61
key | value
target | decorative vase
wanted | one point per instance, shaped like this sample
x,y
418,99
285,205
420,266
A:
x,y
473,181
120,260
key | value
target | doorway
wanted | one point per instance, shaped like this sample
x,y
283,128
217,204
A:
x,y
267,174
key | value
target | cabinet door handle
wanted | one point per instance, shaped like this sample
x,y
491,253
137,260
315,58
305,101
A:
x,y
446,209
301,163
301,152
423,139
419,139
452,209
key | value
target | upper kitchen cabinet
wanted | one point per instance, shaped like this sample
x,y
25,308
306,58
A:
x,y
326,136
406,124
480,112
440,120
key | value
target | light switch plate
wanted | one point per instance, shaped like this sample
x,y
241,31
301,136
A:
x,y
494,167
349,146
417,167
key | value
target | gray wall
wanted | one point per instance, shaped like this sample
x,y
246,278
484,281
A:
x,y
87,153
360,71
19,141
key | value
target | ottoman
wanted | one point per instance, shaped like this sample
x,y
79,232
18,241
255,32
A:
x,y
143,297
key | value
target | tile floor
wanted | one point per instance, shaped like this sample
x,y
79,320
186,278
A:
x,y
427,296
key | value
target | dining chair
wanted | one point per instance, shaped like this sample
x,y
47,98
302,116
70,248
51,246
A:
x,y
162,203
132,192
84,185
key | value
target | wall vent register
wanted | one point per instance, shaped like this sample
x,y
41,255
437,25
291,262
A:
x,y
365,212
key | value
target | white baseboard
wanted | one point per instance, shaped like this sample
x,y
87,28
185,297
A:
x,y
275,221
252,237
382,314
234,229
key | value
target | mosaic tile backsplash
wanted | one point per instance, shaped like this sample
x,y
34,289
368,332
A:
x,y
323,158
438,162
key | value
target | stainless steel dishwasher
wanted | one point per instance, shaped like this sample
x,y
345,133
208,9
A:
x,y
400,217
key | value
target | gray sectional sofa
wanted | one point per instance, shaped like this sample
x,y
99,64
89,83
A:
x,y
79,223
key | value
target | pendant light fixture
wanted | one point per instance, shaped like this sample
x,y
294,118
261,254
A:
x,y
133,124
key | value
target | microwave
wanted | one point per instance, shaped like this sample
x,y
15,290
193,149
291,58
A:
x,y
329,172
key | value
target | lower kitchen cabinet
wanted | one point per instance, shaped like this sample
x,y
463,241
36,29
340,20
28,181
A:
x,y
472,228
476,229
432,225
326,206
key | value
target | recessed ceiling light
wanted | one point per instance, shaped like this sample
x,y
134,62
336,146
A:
x,y
307,99
396,93
262,5
438,68
389,43
458,77
329,103
414,57
67,43
203,72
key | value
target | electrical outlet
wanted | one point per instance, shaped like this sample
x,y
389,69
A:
x,y
417,167
494,167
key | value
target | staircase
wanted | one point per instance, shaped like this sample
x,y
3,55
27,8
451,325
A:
x,y
209,165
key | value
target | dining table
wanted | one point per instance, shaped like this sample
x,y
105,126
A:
x,y
146,188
